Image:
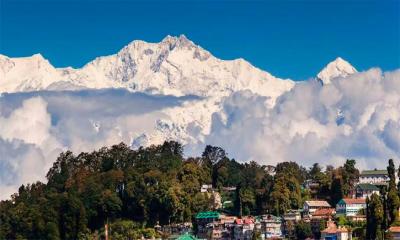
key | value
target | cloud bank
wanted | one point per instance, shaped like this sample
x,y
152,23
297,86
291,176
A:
x,y
352,117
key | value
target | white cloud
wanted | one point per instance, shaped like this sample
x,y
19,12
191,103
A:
x,y
30,123
20,163
353,117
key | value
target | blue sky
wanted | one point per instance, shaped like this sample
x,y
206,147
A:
x,y
290,39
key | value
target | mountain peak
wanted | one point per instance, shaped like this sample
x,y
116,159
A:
x,y
37,56
174,41
337,68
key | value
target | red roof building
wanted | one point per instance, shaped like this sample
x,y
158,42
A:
x,y
395,232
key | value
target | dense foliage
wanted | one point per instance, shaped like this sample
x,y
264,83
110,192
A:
x,y
133,190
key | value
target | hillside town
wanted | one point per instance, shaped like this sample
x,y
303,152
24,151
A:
x,y
323,218
158,193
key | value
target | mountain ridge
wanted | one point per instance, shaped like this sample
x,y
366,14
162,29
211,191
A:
x,y
174,66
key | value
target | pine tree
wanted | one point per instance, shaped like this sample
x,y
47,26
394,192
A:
x,y
336,190
374,218
398,184
393,201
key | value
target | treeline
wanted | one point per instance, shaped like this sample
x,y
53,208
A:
x,y
157,185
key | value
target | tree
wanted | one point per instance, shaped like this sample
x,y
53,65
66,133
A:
x,y
336,190
247,200
212,154
292,169
280,197
286,190
303,230
393,201
227,172
398,184
374,217
315,172
350,175
238,201
73,217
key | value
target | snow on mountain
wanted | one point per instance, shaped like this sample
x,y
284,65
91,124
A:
x,y
26,73
337,68
175,66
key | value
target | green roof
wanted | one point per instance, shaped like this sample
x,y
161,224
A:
x,y
374,172
207,215
367,186
187,236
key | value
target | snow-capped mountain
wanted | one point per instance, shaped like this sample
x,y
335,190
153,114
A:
x,y
175,66
336,68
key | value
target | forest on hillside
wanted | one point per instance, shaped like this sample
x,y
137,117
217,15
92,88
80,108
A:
x,y
137,189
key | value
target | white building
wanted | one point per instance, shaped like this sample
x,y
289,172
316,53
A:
x,y
376,177
292,215
243,229
310,207
350,206
271,226
205,188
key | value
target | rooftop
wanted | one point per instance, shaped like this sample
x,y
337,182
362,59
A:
x,y
246,220
202,215
335,230
324,212
318,203
332,228
353,200
373,172
186,236
394,229
270,217
367,186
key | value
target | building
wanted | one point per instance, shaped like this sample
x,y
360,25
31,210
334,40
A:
x,y
332,232
350,206
271,226
175,228
292,215
376,177
394,232
290,219
216,233
358,218
364,190
205,188
322,215
310,207
229,189
243,229
186,236
204,222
